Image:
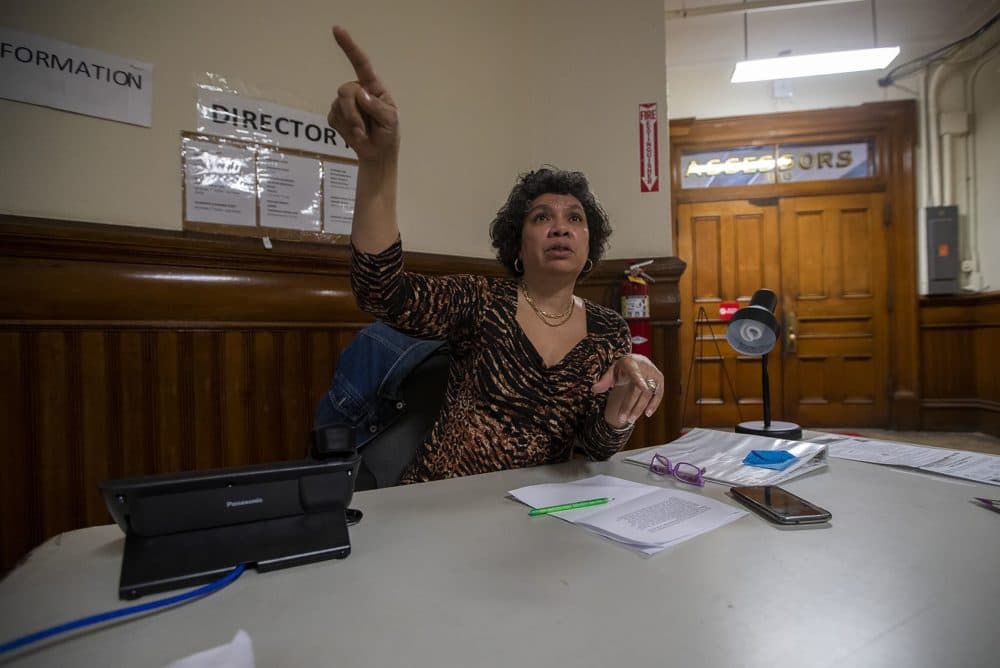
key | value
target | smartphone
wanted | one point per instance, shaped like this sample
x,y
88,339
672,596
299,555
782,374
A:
x,y
779,505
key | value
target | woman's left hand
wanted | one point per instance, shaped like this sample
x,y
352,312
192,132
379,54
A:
x,y
636,388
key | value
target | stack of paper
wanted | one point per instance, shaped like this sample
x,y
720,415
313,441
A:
x,y
643,517
976,466
721,454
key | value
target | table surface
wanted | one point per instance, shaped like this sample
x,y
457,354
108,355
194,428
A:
x,y
455,573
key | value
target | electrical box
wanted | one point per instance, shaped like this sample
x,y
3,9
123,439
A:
x,y
943,264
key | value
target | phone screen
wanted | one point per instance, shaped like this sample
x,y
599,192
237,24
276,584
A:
x,y
780,504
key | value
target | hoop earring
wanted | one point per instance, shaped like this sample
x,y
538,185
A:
x,y
517,269
586,269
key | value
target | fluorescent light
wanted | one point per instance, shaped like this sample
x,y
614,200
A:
x,y
814,64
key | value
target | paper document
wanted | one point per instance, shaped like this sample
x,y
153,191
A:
x,y
644,517
975,466
969,465
880,452
721,454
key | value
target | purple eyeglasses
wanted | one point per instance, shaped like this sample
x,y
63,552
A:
x,y
686,473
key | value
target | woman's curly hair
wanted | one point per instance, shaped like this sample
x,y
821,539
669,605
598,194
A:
x,y
505,230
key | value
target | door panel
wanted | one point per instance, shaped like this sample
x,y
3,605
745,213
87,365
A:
x,y
732,249
834,285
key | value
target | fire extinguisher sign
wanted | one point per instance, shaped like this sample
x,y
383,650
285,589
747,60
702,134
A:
x,y
649,149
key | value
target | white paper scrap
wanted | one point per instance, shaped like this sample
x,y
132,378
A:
x,y
238,653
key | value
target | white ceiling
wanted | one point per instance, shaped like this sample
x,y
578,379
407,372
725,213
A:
x,y
918,26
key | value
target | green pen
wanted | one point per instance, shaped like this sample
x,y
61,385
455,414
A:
x,y
535,512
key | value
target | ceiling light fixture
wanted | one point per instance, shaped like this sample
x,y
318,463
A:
x,y
813,64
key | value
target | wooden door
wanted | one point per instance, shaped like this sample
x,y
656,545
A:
x,y
825,256
834,295
732,250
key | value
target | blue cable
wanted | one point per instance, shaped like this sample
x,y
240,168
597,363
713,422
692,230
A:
x,y
114,614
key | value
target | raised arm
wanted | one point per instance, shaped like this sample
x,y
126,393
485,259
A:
x,y
365,114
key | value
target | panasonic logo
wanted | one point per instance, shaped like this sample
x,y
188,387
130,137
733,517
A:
x,y
244,502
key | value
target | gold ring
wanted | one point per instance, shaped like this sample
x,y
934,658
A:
x,y
651,384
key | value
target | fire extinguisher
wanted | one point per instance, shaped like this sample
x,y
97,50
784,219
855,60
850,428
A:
x,y
635,306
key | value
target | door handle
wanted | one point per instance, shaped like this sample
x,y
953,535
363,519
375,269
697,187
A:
x,y
791,332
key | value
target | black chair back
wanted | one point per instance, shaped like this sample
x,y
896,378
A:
x,y
385,457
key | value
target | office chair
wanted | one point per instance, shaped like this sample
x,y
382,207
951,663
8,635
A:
x,y
386,456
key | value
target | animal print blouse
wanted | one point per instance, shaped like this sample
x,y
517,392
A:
x,y
503,407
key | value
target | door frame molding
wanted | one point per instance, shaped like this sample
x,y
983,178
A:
x,y
892,127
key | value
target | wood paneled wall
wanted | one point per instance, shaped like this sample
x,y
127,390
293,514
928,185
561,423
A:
x,y
960,363
128,351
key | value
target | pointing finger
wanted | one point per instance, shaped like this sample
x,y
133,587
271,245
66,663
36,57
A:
x,y
359,60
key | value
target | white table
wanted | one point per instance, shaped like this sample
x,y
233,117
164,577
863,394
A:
x,y
454,573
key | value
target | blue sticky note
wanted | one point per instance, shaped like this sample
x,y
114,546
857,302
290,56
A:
x,y
779,460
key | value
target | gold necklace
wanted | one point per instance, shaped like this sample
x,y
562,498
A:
x,y
556,319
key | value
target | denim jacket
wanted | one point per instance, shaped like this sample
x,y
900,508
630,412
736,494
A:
x,y
365,388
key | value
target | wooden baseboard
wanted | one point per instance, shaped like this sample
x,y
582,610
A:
x,y
961,415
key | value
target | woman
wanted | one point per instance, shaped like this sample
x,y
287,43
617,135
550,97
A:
x,y
535,368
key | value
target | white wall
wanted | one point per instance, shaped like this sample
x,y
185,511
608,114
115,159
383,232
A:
x,y
486,88
986,122
586,67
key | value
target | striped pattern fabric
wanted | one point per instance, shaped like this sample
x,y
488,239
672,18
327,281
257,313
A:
x,y
503,407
